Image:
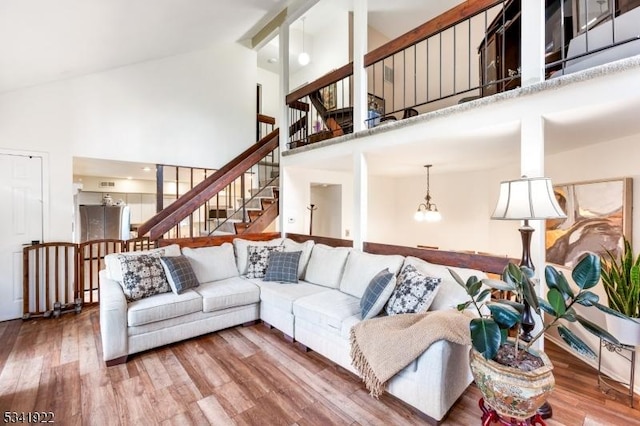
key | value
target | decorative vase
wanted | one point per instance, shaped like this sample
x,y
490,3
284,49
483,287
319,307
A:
x,y
627,331
510,391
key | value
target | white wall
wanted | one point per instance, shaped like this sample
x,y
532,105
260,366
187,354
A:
x,y
297,184
196,109
271,104
465,200
327,218
328,50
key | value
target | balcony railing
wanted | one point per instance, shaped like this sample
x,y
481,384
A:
x,y
471,51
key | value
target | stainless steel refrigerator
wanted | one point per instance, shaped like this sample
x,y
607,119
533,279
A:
x,y
98,222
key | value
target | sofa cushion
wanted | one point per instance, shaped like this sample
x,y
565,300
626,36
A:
x,y
223,294
450,294
326,265
327,309
362,267
306,249
377,293
283,267
113,265
163,306
179,273
258,260
414,293
283,296
212,263
241,248
142,276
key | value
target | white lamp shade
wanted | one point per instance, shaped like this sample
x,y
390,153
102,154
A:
x,y
527,198
432,216
304,59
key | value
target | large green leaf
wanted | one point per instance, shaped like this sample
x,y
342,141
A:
x,y
499,284
545,306
483,295
473,287
586,274
463,306
485,336
613,312
529,293
556,279
457,278
575,342
587,298
596,330
514,271
506,316
517,305
556,301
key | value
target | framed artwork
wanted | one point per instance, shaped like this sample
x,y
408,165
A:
x,y
376,104
328,94
598,216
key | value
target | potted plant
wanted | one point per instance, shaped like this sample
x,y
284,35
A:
x,y
621,281
514,378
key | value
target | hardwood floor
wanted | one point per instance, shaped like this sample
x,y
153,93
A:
x,y
243,376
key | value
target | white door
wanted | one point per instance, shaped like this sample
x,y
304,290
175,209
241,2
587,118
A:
x,y
20,224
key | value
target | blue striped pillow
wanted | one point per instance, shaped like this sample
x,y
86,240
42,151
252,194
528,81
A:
x,y
377,293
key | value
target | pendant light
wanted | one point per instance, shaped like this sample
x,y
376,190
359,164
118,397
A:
x,y
428,211
303,57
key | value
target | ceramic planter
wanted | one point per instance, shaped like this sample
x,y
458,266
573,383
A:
x,y
509,391
626,331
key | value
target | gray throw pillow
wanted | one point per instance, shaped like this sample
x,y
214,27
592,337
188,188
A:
x,y
142,276
283,266
180,273
377,293
414,292
258,259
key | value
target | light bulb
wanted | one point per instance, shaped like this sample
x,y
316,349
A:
x,y
304,59
419,216
432,216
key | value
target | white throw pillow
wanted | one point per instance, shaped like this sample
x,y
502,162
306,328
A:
x,y
326,265
450,293
362,267
113,265
213,263
242,250
305,248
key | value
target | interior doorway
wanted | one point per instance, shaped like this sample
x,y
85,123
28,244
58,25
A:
x,y
327,215
21,223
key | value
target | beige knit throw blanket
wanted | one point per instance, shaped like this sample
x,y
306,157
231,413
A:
x,y
382,346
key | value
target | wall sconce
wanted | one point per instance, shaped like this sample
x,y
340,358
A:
x,y
428,211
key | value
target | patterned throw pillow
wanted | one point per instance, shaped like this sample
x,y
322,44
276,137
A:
x,y
283,266
414,292
180,273
377,293
143,276
258,259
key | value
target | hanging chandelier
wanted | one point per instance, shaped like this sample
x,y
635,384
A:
x,y
428,211
303,57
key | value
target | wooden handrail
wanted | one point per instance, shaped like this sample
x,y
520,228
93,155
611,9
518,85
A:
x,y
194,198
440,23
266,119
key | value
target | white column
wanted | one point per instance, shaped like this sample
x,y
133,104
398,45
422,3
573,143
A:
x,y
360,199
532,48
359,74
532,165
283,120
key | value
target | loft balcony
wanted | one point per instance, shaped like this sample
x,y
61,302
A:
x,y
470,53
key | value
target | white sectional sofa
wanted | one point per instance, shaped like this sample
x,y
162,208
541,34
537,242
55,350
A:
x,y
318,311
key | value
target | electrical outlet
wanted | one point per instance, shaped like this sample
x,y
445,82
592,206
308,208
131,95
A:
x,y
347,232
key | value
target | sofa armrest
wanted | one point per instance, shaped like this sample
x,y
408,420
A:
x,y
113,318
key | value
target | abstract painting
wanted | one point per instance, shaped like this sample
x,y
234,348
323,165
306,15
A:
x,y
598,216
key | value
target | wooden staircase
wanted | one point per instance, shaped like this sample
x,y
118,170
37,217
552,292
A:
x,y
253,220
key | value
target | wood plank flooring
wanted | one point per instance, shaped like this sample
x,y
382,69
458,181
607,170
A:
x,y
239,376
